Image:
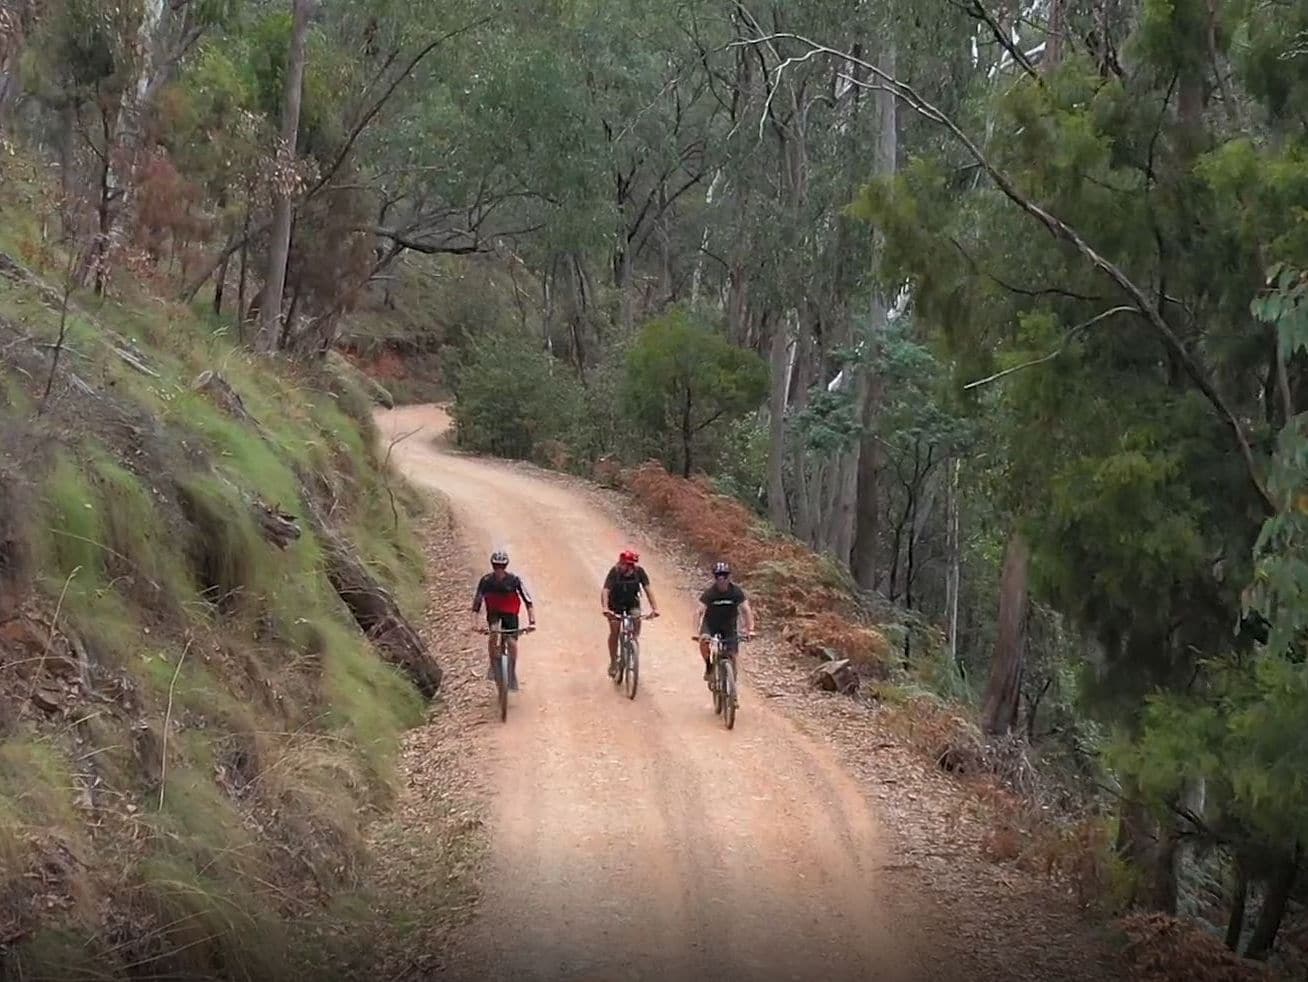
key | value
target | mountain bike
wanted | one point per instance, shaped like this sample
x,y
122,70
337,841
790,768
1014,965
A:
x,y
505,665
722,666
628,664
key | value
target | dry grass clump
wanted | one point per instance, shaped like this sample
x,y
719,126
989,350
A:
x,y
813,602
1076,853
1166,949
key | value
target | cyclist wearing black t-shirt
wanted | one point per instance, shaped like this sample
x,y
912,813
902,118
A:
x,y
621,594
719,607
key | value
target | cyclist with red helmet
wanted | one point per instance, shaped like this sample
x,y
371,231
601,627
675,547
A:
x,y
621,594
505,595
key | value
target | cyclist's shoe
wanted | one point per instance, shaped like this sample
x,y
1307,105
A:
x,y
613,668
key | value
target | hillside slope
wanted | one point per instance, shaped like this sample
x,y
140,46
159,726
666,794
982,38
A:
x,y
194,727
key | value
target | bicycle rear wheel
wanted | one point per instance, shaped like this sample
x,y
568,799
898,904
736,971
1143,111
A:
x,y
632,659
729,692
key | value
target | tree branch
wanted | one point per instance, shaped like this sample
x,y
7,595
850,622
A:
x,y
1062,231
377,106
1023,291
1067,339
976,10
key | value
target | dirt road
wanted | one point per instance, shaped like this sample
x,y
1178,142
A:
x,y
635,840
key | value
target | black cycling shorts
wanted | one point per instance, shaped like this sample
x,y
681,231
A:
x,y
630,608
505,622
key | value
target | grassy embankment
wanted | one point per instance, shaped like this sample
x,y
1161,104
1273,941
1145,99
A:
x,y
193,729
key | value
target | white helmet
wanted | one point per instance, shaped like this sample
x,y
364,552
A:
x,y
499,558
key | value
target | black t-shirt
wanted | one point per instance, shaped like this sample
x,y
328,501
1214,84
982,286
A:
x,y
723,608
624,588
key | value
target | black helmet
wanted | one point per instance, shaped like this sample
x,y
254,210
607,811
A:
x,y
721,569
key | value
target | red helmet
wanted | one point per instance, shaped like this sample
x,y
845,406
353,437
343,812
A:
x,y
629,556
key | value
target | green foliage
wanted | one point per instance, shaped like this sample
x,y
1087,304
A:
x,y
511,396
683,377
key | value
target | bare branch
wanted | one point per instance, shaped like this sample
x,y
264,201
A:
x,y
63,332
167,724
976,10
1067,339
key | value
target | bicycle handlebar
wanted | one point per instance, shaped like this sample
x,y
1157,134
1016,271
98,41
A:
x,y
644,617
710,637
497,630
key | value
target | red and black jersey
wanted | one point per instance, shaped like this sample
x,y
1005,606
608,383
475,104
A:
x,y
504,595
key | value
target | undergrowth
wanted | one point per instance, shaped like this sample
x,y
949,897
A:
x,y
920,698
193,730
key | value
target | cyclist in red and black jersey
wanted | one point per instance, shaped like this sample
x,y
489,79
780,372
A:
x,y
505,595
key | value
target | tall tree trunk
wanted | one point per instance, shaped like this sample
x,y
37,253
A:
x,y
67,170
780,355
1151,849
1273,909
955,553
999,708
280,246
807,506
844,508
697,277
124,152
1235,924
687,435
1054,42
867,510
241,282
219,283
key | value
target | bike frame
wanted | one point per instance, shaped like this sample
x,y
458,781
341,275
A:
x,y
503,666
628,656
723,681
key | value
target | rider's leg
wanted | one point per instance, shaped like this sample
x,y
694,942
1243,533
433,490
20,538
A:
x,y
704,653
613,645
492,644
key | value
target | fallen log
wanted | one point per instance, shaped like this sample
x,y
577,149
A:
x,y
378,615
276,526
836,676
223,395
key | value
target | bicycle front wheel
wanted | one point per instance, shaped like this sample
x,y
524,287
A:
x,y
728,693
503,683
633,669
